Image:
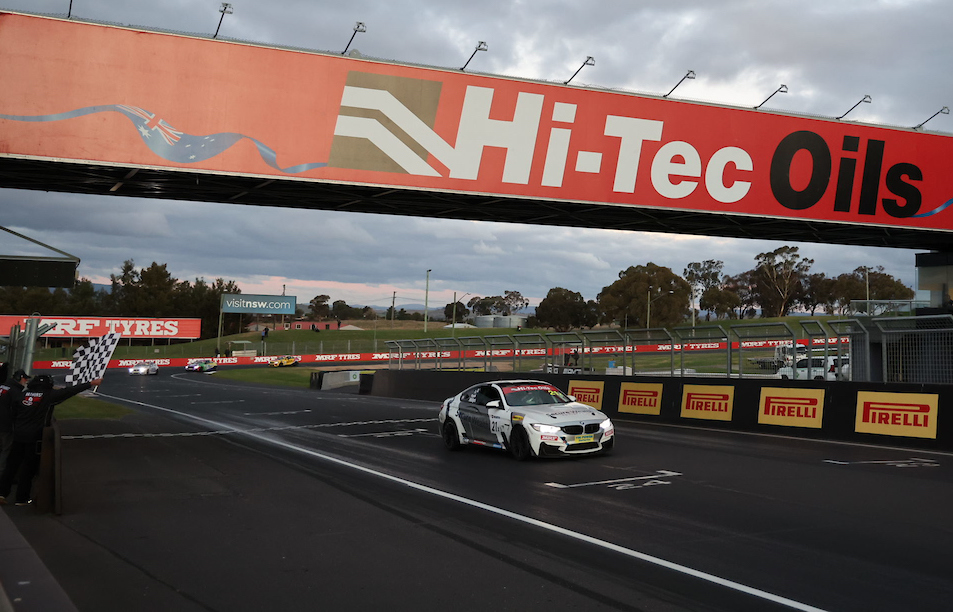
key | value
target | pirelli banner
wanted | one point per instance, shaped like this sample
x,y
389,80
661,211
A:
x,y
111,95
829,409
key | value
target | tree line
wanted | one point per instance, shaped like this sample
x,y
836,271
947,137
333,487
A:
x,y
781,282
642,296
654,296
145,292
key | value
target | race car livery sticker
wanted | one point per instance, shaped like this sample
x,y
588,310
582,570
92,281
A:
x,y
496,424
589,392
641,398
517,417
714,403
897,414
517,389
791,407
570,412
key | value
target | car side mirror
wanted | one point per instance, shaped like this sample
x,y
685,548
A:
x,y
493,404
572,398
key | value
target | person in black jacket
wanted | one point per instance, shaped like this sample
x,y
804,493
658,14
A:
x,y
31,412
9,393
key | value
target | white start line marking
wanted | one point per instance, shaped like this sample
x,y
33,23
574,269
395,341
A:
x,y
620,483
900,463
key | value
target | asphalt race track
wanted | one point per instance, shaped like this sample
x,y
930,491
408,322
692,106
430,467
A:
x,y
675,519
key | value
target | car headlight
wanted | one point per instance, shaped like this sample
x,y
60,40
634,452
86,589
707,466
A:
x,y
545,429
606,425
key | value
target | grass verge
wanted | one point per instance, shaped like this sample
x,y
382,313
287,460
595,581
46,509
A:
x,y
294,376
78,407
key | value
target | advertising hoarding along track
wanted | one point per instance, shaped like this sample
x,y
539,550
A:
x,y
129,327
391,138
258,304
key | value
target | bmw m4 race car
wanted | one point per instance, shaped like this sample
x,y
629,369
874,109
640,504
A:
x,y
144,368
529,418
284,360
201,365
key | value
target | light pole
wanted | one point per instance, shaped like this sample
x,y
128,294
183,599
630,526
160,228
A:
x,y
648,306
865,100
945,111
358,27
782,89
589,62
867,283
688,75
691,305
427,301
481,46
226,9
453,322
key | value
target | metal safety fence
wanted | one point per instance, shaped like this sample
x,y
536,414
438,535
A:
x,y
917,349
890,349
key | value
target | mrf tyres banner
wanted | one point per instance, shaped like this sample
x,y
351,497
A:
x,y
112,95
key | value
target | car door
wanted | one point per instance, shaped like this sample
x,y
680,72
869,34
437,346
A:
x,y
474,413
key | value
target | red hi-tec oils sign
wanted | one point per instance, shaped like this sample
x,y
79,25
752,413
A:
x,y
373,123
631,150
897,414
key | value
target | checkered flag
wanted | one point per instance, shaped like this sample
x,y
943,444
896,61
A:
x,y
90,361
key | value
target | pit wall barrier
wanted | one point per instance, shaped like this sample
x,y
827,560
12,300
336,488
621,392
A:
x,y
905,415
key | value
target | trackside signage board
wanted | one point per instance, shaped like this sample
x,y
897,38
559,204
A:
x,y
104,94
641,398
897,414
259,304
791,407
589,392
711,402
90,327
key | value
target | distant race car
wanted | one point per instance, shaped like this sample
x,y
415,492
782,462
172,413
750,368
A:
x,y
202,365
284,360
529,418
144,368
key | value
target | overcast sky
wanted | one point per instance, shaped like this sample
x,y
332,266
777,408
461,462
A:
x,y
829,53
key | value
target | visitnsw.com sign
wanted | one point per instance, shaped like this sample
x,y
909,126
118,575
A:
x,y
259,304
376,123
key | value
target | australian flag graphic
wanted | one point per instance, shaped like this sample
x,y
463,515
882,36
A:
x,y
169,143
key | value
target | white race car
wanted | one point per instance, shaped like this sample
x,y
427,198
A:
x,y
530,418
144,368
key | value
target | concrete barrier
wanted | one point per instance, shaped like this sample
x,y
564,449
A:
x,y
339,378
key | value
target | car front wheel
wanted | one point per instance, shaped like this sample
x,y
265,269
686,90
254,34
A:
x,y
451,439
519,445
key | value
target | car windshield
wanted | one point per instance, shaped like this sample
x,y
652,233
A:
x,y
534,395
